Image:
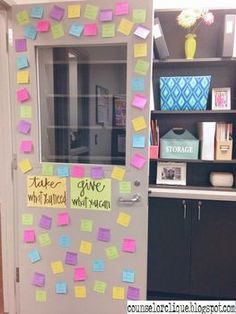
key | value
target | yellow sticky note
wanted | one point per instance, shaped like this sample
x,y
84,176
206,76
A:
x,y
73,11
22,77
85,247
99,286
123,219
139,123
40,296
118,173
44,239
25,165
125,26
141,67
57,267
22,17
118,293
27,219
140,50
139,16
80,292
26,112
108,30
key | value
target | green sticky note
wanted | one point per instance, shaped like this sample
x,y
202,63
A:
x,y
40,296
57,31
99,286
47,170
91,12
112,252
44,239
139,16
26,112
141,67
22,17
125,187
86,225
27,219
108,30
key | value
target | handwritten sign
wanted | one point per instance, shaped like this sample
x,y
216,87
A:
x,y
87,193
43,191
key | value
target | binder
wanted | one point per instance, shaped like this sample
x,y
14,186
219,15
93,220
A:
x,y
229,36
206,132
160,47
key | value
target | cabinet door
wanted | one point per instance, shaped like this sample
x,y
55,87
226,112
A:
x,y
213,253
168,245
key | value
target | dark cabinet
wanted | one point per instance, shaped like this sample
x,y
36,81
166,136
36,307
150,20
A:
x,y
192,247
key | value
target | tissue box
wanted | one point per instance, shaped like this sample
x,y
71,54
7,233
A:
x,y
184,92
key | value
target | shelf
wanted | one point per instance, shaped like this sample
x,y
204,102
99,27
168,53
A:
x,y
233,161
179,112
209,61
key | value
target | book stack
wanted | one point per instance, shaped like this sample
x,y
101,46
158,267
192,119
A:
x,y
154,140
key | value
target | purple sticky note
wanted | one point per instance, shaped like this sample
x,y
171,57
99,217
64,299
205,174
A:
x,y
38,280
122,8
80,274
26,147
71,258
77,171
139,101
63,219
57,13
133,293
106,15
129,245
104,234
20,45
97,173
45,222
22,95
43,26
24,127
29,236
90,29
142,32
138,161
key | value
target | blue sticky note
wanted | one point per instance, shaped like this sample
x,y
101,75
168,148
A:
x,y
138,84
30,32
34,256
98,265
128,275
139,141
61,287
62,171
64,241
22,62
37,12
76,29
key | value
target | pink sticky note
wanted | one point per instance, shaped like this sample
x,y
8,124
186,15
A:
x,y
122,8
129,245
97,173
43,26
63,219
29,236
20,45
90,29
153,152
106,15
80,274
22,95
24,127
26,146
77,171
139,101
138,161
142,32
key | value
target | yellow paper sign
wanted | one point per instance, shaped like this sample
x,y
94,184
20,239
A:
x,y
87,193
27,219
118,173
125,26
25,165
44,239
140,50
22,77
57,267
118,293
85,247
73,11
22,17
40,296
26,112
44,191
139,123
99,286
108,30
123,219
80,292
141,67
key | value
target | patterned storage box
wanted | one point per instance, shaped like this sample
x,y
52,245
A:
x,y
184,92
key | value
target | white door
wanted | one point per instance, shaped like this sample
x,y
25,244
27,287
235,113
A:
x,y
81,81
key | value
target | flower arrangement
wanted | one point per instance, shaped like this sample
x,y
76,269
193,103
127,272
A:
x,y
191,19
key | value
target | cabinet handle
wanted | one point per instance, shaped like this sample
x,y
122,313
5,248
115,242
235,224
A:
x,y
185,209
199,210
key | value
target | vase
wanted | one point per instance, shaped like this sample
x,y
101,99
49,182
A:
x,y
190,46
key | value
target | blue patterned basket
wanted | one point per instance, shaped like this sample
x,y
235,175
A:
x,y
184,92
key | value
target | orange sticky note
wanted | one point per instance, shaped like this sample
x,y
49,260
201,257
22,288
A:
x,y
25,165
118,173
73,11
139,123
125,27
22,77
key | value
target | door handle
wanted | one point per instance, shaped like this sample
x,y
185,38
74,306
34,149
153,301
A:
x,y
185,209
129,201
199,210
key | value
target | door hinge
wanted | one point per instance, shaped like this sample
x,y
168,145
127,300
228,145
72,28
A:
x,y
17,274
